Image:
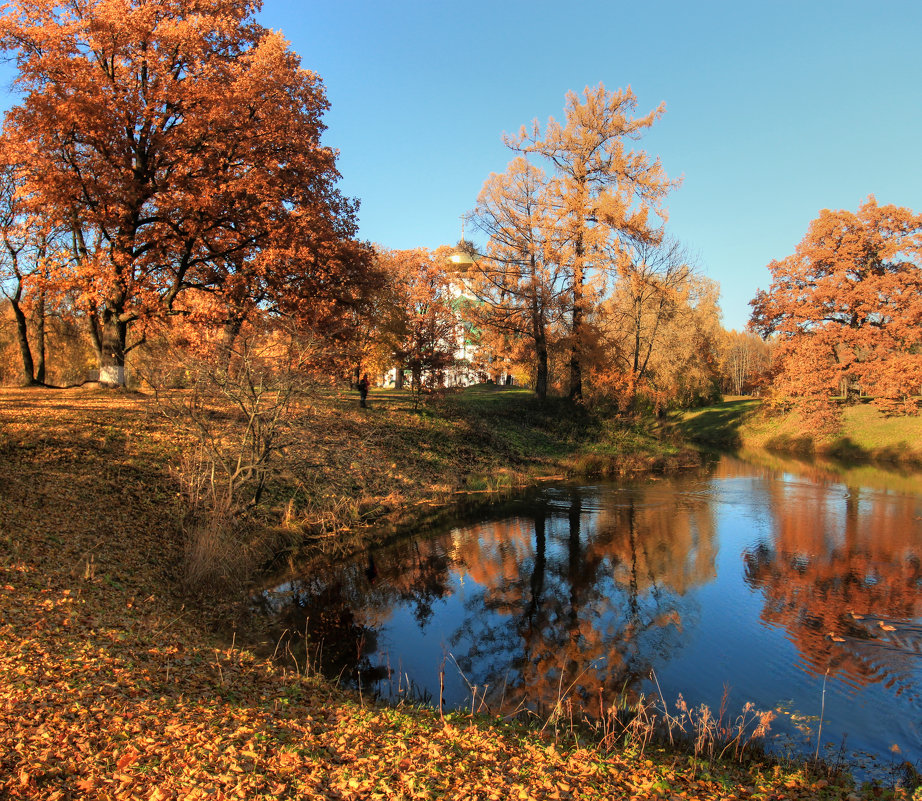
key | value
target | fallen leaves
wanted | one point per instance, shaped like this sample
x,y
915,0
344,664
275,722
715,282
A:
x,y
109,689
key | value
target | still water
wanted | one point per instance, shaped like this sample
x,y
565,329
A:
x,y
764,578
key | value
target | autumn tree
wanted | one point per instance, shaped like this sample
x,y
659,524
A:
x,y
24,245
602,191
650,286
684,369
180,143
744,358
517,282
846,308
421,324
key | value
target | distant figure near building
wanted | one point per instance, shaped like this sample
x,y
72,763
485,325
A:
x,y
363,391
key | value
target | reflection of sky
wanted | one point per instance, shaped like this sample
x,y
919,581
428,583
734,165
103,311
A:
x,y
418,652
720,638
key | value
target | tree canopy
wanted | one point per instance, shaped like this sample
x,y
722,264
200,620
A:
x,y
846,307
600,193
180,144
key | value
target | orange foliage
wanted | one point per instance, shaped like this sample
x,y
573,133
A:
x,y
846,308
843,580
600,193
518,283
422,324
181,145
659,331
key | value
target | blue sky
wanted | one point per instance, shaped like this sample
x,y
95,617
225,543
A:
x,y
774,109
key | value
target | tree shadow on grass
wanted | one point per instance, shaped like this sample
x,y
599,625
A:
x,y
716,426
900,453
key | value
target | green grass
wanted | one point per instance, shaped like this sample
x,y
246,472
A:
x,y
866,433
567,438
719,425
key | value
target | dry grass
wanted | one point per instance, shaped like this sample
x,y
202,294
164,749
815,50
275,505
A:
x,y
112,686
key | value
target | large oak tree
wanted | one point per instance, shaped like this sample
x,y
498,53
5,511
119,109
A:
x,y
180,141
846,307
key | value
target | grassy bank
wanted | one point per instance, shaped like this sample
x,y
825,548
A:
x,y
113,685
866,434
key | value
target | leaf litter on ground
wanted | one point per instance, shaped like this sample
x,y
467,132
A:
x,y
112,687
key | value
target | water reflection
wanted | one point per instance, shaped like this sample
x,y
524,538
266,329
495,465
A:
x,y
767,576
585,596
585,592
842,575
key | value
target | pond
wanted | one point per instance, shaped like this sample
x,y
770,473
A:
x,y
795,586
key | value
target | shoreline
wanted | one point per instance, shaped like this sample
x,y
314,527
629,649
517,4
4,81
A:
x,y
115,683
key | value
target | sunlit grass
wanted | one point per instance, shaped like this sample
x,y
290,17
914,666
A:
x,y
866,432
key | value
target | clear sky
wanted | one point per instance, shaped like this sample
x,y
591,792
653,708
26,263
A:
x,y
774,109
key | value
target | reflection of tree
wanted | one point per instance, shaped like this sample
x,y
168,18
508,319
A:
x,y
313,620
664,538
843,577
333,612
585,605
416,573
584,588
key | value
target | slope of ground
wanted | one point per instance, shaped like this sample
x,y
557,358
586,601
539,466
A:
x,y
867,434
113,687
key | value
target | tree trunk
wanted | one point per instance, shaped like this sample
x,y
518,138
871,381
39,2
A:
x,y
113,341
576,368
852,390
93,327
576,365
22,335
398,378
229,334
539,334
541,379
40,338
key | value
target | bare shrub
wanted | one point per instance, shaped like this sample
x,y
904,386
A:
x,y
241,404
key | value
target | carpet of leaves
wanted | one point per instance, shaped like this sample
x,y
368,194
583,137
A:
x,y
112,687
